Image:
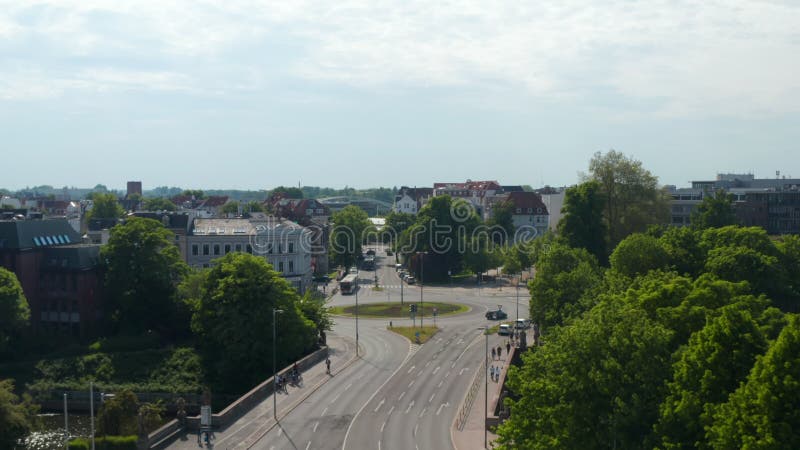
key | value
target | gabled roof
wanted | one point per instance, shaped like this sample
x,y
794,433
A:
x,y
526,200
19,234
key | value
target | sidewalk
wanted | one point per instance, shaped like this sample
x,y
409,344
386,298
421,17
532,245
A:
x,y
472,435
258,421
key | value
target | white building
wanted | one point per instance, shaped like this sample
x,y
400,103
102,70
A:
x,y
529,213
283,243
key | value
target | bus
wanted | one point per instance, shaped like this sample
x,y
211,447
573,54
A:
x,y
348,285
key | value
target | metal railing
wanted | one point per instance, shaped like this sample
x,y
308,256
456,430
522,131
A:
x,y
466,406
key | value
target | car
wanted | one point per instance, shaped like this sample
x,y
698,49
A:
x,y
354,269
398,267
504,329
497,314
522,324
410,280
389,252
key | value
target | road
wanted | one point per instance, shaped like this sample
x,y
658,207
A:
x,y
397,395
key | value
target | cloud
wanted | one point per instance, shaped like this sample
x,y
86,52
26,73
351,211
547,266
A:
x,y
680,59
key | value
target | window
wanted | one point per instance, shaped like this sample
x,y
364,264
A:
x,y
530,210
291,266
195,249
280,267
216,249
238,247
280,248
519,210
249,249
227,248
291,247
205,249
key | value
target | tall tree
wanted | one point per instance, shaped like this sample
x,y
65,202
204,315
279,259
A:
x,y
632,199
582,224
396,223
286,192
763,413
347,234
14,310
502,217
233,322
230,208
158,204
17,418
142,270
716,210
637,254
105,206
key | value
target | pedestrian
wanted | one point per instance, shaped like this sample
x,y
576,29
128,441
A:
x,y
328,365
491,373
493,354
499,351
508,348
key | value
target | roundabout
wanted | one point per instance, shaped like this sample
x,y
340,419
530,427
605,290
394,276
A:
x,y
394,310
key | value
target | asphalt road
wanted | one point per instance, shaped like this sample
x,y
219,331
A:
x,y
396,395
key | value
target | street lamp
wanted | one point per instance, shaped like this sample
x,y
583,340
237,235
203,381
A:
x,y
485,387
275,311
356,312
421,282
520,276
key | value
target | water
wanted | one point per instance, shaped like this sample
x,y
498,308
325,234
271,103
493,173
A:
x,y
51,436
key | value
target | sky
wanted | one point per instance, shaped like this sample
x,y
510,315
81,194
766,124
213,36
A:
x,y
256,94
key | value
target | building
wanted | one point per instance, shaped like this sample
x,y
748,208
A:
x,y
283,243
134,187
554,202
177,223
60,275
313,215
529,214
481,194
410,200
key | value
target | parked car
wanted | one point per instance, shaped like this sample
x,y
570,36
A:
x,y
504,330
410,280
354,269
398,267
497,314
522,324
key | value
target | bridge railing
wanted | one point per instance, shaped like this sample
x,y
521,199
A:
x,y
466,405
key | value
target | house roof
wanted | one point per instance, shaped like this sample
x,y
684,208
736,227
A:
x,y
526,200
20,234
173,220
241,227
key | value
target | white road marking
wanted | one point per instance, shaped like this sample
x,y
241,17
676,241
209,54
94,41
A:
x,y
423,411
427,364
280,432
410,405
348,386
412,383
411,369
442,406
431,398
447,374
436,369
383,426
336,398
452,365
461,372
415,429
460,341
380,404
324,411
315,427
390,411
379,445
440,384
309,445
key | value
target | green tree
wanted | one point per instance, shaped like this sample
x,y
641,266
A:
x,y
716,360
502,217
638,254
118,415
17,418
233,323
686,255
105,206
596,383
230,208
762,413
313,308
198,194
715,211
14,310
396,223
286,192
253,206
582,224
347,235
158,204
563,276
481,255
142,270
631,197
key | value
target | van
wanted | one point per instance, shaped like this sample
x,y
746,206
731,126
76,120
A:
x,y
504,330
522,324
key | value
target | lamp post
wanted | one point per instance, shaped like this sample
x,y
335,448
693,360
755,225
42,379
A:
x,y
520,276
356,312
275,311
66,424
91,409
421,282
485,386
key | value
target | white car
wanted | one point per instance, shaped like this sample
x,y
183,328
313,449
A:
x,y
522,324
504,330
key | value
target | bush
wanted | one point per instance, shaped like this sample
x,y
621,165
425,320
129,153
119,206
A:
x,y
108,442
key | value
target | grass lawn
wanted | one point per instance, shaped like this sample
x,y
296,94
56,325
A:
x,y
409,333
395,310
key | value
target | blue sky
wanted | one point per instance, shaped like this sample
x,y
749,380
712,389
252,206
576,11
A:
x,y
255,94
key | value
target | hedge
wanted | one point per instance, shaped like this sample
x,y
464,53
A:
x,y
103,443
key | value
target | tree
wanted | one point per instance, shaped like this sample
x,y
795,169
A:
x,y
197,194
314,309
582,224
762,413
631,197
396,223
105,206
118,415
596,383
482,254
638,254
286,192
233,323
253,206
715,211
563,276
17,419
14,310
142,269
502,217
686,255
717,359
230,208
158,204
347,234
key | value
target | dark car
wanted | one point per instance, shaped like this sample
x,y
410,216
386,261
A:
x,y
498,314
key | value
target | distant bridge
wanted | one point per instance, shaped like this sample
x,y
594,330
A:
x,y
372,206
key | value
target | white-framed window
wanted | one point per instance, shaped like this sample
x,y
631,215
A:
x,y
291,248
195,249
280,266
291,266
